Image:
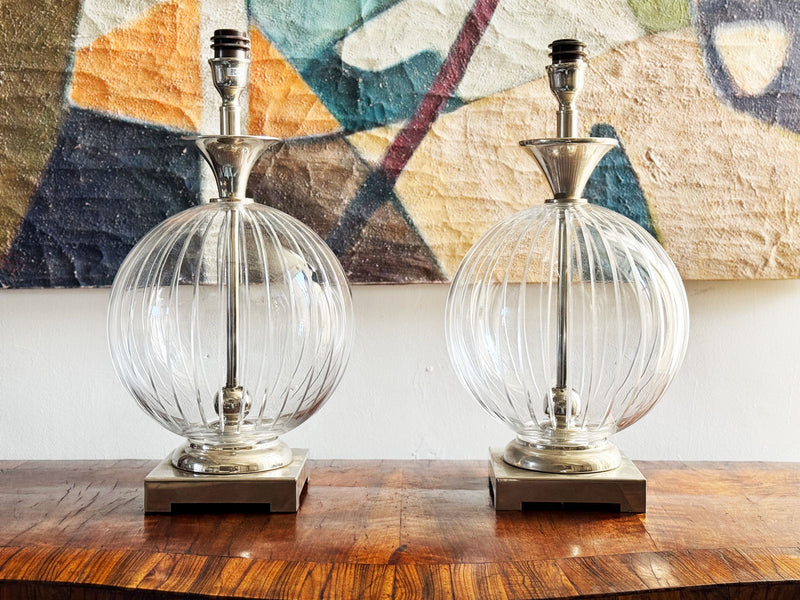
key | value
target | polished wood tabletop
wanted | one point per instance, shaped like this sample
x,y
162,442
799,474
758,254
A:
x,y
401,529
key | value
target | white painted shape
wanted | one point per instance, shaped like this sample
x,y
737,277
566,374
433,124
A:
x,y
752,52
513,49
737,396
100,17
404,30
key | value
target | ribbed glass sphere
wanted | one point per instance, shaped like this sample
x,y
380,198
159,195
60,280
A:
x,y
170,326
567,378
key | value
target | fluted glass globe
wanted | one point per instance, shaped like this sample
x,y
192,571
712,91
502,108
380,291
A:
x,y
170,326
566,382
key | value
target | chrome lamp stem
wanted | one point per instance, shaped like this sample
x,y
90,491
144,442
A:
x,y
566,77
230,69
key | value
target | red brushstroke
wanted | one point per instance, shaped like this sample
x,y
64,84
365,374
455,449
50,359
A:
x,y
441,90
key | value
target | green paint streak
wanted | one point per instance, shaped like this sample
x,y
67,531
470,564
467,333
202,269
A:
x,y
35,40
661,15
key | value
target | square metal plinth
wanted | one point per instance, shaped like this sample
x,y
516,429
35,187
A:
x,y
165,487
512,488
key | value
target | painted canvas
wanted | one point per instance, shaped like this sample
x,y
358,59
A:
x,y
402,120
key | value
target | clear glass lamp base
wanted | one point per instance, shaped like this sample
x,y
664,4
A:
x,y
603,456
232,458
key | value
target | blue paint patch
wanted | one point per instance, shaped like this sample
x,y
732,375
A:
x,y
108,182
376,190
404,256
779,102
614,183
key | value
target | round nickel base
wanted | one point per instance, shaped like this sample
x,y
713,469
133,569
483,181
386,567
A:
x,y
595,459
232,459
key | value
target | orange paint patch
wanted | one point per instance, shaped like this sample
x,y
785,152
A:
x,y
281,103
149,71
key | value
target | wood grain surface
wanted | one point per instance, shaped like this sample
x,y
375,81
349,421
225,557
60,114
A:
x,y
391,529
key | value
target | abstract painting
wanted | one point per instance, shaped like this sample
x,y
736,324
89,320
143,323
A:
x,y
402,120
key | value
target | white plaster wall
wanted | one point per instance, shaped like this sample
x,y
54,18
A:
x,y
736,398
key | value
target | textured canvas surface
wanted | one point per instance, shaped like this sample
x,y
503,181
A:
x,y
402,119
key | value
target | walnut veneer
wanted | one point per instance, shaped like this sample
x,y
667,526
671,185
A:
x,y
387,529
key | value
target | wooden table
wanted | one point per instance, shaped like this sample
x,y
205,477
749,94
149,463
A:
x,y
386,529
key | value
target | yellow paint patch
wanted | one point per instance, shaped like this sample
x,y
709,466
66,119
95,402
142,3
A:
x,y
372,144
148,70
470,172
281,103
753,52
722,187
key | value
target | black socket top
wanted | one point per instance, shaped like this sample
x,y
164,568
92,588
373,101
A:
x,y
567,51
230,43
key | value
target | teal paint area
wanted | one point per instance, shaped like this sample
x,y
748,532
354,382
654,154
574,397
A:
x,y
303,29
308,32
615,185
364,99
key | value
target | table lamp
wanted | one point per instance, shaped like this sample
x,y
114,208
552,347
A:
x,y
566,321
230,322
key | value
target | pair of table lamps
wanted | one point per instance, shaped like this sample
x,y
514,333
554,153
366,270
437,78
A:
x,y
230,322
